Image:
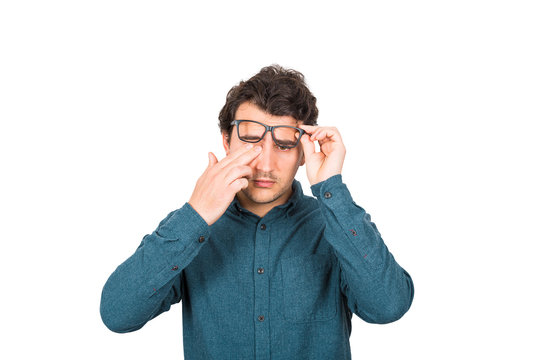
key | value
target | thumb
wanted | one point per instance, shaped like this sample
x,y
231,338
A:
x,y
212,160
308,146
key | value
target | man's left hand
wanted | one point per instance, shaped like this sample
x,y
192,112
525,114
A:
x,y
329,160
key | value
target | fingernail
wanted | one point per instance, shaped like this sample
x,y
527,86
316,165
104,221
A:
x,y
258,148
249,146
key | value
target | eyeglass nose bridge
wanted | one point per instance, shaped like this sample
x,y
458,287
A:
x,y
268,128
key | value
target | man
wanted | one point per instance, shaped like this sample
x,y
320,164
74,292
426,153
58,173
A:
x,y
264,271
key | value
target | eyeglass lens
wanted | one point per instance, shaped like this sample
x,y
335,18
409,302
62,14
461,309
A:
x,y
284,136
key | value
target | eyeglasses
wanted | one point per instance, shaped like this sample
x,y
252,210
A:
x,y
252,131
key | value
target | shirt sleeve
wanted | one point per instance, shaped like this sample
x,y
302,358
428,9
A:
x,y
150,280
377,289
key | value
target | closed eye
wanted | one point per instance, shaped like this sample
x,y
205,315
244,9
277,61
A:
x,y
283,148
250,138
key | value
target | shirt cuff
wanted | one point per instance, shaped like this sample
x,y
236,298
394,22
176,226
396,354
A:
x,y
331,188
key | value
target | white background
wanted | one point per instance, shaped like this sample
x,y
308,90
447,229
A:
x,y
108,110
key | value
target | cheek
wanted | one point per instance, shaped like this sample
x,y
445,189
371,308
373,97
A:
x,y
290,163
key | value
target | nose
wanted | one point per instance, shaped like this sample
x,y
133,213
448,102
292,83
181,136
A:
x,y
263,162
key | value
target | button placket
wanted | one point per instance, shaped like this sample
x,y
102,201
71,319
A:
x,y
262,289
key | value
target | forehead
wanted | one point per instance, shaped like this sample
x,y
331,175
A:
x,y
249,111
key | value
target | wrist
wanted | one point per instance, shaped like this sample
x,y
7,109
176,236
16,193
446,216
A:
x,y
201,213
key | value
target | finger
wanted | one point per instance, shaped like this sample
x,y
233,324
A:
x,y
238,172
327,133
246,157
315,134
212,159
235,154
308,146
239,184
309,127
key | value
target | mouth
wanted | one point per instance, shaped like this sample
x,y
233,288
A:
x,y
264,183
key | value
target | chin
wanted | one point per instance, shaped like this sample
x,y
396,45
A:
x,y
261,195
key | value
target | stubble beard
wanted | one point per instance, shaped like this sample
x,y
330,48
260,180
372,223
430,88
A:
x,y
257,200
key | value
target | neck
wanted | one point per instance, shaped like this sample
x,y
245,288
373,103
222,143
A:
x,y
261,209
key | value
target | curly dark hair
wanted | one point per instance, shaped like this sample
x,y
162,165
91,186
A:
x,y
275,90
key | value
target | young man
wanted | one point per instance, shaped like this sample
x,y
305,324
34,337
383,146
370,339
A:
x,y
264,271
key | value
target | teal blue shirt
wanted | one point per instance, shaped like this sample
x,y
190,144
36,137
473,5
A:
x,y
283,286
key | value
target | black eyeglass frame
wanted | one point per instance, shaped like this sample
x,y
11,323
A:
x,y
267,129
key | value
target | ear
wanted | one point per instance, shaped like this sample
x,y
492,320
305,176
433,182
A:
x,y
226,144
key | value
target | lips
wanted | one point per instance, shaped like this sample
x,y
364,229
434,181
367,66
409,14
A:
x,y
263,182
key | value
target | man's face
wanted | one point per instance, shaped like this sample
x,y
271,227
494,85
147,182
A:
x,y
276,165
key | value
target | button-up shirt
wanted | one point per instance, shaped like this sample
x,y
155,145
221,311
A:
x,y
283,286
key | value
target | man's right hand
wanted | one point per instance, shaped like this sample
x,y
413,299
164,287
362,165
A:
x,y
217,186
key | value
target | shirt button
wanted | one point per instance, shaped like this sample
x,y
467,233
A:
x,y
201,239
261,318
263,227
328,195
260,270
175,267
